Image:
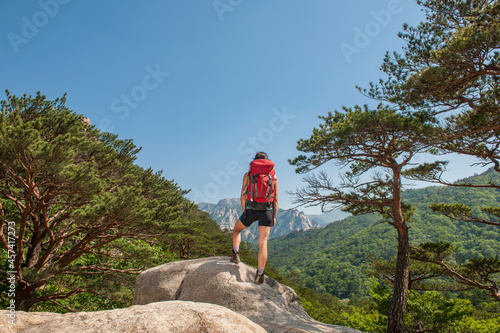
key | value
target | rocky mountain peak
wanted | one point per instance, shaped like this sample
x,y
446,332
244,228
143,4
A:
x,y
227,212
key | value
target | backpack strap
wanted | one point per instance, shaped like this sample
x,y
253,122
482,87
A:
x,y
269,188
253,187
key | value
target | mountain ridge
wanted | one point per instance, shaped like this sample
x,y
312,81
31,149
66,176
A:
x,y
227,212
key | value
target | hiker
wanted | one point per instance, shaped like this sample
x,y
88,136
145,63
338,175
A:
x,y
259,201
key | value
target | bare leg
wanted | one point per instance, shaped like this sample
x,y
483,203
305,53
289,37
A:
x,y
263,236
238,227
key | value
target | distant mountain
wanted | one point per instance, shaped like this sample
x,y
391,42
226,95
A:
x,y
333,258
326,218
227,212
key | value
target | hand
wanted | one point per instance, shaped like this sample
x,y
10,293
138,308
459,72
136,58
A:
x,y
274,221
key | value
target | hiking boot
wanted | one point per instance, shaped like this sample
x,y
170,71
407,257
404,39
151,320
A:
x,y
235,257
259,278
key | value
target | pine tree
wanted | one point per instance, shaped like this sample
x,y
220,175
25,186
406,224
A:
x,y
451,69
380,143
68,194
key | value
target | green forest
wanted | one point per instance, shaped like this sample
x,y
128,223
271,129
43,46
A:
x,y
335,260
328,267
438,96
79,219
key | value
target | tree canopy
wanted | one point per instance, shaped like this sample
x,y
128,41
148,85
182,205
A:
x,y
77,206
381,142
444,92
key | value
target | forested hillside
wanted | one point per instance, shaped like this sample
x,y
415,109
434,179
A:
x,y
78,219
334,258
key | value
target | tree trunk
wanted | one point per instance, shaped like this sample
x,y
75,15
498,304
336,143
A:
x,y
400,295
23,297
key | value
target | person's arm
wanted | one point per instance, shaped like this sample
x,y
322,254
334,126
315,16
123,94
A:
x,y
243,196
275,201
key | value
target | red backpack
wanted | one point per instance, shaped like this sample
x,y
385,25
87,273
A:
x,y
261,184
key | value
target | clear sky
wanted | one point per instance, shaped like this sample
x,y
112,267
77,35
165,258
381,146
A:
x,y
201,85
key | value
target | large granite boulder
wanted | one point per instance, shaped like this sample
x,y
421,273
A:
x,y
175,316
216,280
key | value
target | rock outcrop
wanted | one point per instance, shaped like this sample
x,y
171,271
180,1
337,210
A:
x,y
161,317
216,280
209,295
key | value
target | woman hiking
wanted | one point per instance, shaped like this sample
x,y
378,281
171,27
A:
x,y
259,201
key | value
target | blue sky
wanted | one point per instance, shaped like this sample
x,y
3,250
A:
x,y
201,85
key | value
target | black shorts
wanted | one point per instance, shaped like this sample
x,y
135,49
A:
x,y
249,216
